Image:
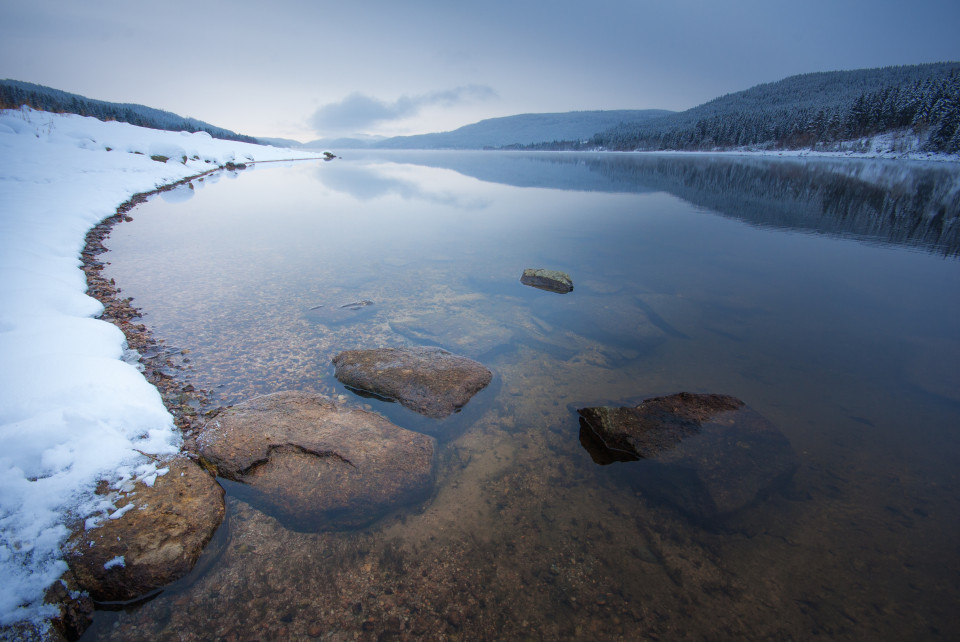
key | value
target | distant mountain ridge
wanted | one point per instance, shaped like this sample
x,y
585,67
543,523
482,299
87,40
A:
x,y
809,109
523,129
16,93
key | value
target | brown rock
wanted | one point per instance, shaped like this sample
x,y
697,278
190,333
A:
x,y
430,381
155,542
75,609
710,455
315,464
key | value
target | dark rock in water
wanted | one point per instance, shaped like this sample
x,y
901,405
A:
x,y
599,451
710,455
316,464
332,315
430,381
657,424
550,280
155,541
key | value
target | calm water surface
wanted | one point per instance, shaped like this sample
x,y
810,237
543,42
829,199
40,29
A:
x,y
825,294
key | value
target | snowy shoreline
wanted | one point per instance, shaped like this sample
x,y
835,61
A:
x,y
72,411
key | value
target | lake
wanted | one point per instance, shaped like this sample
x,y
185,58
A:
x,y
823,293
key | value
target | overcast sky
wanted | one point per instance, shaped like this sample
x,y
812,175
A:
x,y
306,69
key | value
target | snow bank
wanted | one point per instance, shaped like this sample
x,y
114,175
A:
x,y
71,411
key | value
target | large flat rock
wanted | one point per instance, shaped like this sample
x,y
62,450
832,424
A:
x,y
430,381
710,455
153,542
316,464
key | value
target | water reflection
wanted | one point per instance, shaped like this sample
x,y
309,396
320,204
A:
x,y
912,204
368,182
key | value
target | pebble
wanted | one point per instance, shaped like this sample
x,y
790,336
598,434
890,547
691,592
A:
x,y
455,620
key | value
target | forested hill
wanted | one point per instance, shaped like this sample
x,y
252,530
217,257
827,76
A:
x,y
810,111
15,93
523,129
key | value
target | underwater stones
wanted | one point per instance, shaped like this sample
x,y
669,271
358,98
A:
x,y
153,542
468,331
316,464
619,322
709,455
550,280
430,381
341,314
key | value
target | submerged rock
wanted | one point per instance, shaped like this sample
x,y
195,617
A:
x,y
710,455
617,321
154,537
430,381
316,464
550,280
468,331
341,314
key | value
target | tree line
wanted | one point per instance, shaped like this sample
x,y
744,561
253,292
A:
x,y
14,94
814,111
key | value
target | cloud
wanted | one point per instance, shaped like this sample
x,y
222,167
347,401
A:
x,y
358,112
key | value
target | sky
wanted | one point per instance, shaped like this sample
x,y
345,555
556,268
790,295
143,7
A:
x,y
308,69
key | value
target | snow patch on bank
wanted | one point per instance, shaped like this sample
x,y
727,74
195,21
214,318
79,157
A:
x,y
72,411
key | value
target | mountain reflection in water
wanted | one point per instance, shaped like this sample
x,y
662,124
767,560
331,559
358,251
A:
x,y
881,201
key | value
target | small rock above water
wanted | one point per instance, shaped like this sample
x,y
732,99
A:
x,y
153,542
710,455
316,464
430,381
550,280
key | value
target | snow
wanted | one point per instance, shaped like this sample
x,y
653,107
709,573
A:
x,y
73,410
117,514
116,561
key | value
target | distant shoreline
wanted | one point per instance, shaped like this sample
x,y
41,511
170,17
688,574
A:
x,y
913,157
807,153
